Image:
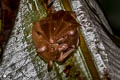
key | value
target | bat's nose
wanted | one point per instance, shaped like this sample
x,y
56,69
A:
x,y
53,47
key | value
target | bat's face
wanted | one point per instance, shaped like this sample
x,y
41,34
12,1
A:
x,y
56,36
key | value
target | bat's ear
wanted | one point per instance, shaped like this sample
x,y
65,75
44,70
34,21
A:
x,y
50,65
73,15
36,24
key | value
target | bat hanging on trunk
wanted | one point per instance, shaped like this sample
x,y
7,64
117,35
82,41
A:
x,y
56,36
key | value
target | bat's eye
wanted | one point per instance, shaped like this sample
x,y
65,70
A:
x,y
38,33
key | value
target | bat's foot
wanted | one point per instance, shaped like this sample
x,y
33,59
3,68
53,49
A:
x,y
50,65
63,56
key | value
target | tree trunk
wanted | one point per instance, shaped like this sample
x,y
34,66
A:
x,y
20,60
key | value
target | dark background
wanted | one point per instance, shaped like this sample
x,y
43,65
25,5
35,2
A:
x,y
111,9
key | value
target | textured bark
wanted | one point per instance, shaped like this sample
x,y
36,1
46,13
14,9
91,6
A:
x,y
20,61
106,46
